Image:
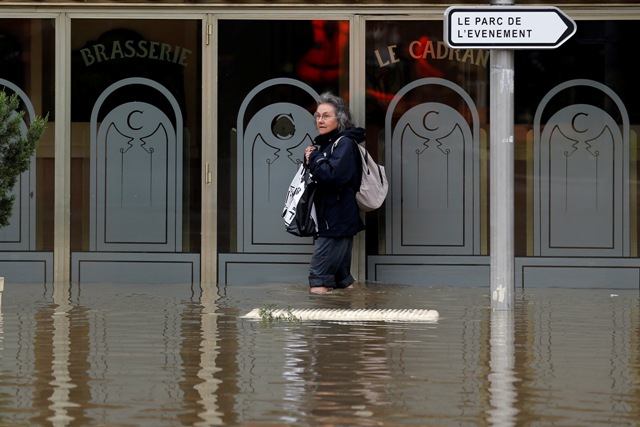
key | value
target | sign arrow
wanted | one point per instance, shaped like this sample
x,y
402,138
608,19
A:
x,y
515,27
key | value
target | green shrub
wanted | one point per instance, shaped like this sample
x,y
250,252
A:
x,y
16,149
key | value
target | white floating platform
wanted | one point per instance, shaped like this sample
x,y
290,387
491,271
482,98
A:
x,y
370,315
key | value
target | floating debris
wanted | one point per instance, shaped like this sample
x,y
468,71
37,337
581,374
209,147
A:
x,y
371,315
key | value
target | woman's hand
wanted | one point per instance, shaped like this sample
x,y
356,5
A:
x,y
307,152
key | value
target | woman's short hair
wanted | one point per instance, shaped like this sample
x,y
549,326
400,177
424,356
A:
x,y
340,106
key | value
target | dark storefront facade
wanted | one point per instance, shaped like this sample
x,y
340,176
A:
x,y
174,131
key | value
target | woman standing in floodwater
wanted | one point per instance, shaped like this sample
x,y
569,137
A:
x,y
334,162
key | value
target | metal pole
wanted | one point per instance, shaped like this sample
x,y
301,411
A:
x,y
501,177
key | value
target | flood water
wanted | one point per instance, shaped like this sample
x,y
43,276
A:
x,y
149,355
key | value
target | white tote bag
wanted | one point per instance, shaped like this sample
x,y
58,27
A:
x,y
299,211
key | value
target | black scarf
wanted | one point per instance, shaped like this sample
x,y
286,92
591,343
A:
x,y
327,138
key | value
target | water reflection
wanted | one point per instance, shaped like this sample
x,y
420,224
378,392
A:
x,y
502,377
209,350
61,383
164,356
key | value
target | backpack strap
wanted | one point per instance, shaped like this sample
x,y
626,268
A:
x,y
335,143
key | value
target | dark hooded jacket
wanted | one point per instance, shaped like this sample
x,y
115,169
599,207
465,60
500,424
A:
x,y
337,170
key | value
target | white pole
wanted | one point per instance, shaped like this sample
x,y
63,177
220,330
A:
x,y
501,181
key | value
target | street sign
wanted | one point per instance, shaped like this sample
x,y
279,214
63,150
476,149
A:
x,y
506,27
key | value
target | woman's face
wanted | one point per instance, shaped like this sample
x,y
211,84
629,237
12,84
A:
x,y
326,119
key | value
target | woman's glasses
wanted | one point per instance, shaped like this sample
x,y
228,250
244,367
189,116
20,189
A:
x,y
323,117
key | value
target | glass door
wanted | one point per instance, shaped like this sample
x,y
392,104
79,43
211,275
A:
x,y
135,149
267,96
26,60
